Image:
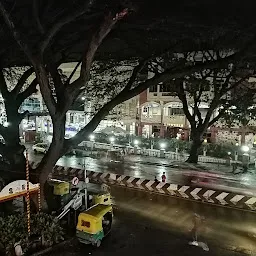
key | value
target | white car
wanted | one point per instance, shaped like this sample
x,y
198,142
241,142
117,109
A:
x,y
40,148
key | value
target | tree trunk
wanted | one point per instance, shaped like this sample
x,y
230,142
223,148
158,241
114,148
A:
x,y
197,140
12,151
194,151
51,157
243,134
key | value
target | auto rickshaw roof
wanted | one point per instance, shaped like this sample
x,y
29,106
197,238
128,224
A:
x,y
97,211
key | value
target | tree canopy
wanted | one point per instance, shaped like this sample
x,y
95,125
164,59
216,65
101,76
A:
x,y
150,27
148,35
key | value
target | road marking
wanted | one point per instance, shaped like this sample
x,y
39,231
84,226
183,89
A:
x,y
236,199
182,191
208,194
221,197
149,185
194,193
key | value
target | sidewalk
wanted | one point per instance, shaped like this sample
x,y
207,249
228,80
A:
x,y
156,161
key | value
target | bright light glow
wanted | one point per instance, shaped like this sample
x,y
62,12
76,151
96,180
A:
x,y
6,124
205,140
229,153
237,144
162,145
136,142
92,137
83,98
245,148
112,139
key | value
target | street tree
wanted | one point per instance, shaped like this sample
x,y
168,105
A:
x,y
16,84
243,110
46,55
208,95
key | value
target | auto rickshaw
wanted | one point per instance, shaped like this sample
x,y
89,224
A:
x,y
94,224
100,198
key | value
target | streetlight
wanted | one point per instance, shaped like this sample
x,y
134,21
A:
x,y
112,139
205,147
236,152
162,149
136,142
245,148
246,157
92,137
162,145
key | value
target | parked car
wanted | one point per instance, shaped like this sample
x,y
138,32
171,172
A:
x,y
40,148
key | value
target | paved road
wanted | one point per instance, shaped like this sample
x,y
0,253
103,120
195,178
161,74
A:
x,y
157,225
149,168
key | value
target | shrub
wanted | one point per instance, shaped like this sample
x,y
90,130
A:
x,y
13,229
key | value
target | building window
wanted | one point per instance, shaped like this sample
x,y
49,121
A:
x,y
153,88
145,109
155,110
71,119
175,111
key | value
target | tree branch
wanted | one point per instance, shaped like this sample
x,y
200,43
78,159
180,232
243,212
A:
x,y
3,85
182,96
26,93
215,119
96,40
23,115
45,88
198,113
36,16
16,34
2,129
73,72
233,86
58,84
63,21
135,73
22,81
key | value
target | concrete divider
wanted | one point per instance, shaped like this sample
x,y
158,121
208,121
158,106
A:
x,y
187,192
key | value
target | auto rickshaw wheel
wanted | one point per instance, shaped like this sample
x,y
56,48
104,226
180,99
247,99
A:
x,y
98,243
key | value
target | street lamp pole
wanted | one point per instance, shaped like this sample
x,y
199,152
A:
x,y
162,149
92,138
236,152
205,147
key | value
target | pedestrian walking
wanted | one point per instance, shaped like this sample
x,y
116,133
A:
x,y
197,230
156,180
163,177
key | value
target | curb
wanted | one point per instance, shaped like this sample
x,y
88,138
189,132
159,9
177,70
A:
x,y
52,247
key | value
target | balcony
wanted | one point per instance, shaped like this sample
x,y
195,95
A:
x,y
151,118
174,120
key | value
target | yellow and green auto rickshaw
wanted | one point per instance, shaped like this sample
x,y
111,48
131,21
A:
x,y
94,224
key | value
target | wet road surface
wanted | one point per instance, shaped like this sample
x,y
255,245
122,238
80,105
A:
x,y
157,225
149,168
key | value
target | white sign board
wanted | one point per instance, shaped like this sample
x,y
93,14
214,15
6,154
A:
x,y
75,181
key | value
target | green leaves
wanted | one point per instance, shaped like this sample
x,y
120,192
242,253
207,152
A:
x,y
13,229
